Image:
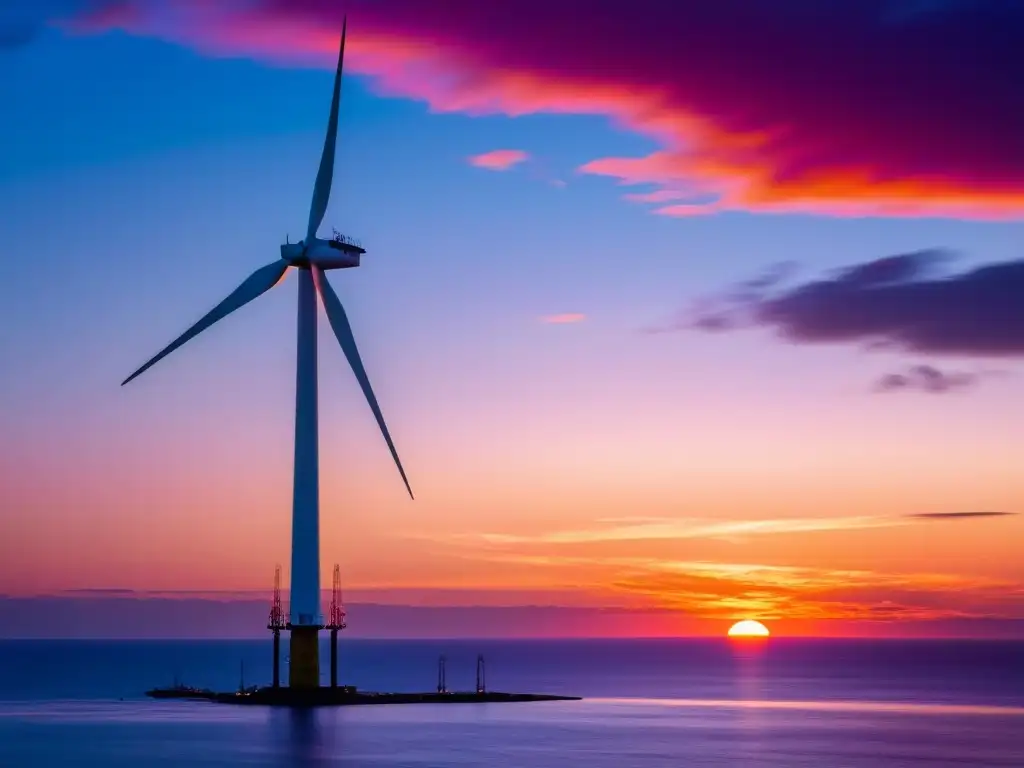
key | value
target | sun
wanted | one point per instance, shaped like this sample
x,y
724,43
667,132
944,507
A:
x,y
748,628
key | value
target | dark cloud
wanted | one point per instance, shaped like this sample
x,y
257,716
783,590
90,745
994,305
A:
x,y
926,378
910,302
957,515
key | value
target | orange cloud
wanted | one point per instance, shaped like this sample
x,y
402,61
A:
x,y
650,529
741,124
604,558
499,159
723,591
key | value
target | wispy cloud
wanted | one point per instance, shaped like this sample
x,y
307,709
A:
x,y
499,159
657,196
722,590
926,378
725,590
655,528
564,318
819,594
687,528
958,515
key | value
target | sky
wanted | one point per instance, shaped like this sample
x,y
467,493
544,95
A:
x,y
679,314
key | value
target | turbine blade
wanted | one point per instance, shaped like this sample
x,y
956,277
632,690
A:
x,y
325,176
339,323
258,283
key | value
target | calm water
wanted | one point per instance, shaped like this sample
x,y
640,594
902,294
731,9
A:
x,y
829,704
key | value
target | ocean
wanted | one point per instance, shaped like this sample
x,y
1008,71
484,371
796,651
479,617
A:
x,y
784,703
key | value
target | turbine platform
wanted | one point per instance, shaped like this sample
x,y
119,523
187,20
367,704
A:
x,y
343,696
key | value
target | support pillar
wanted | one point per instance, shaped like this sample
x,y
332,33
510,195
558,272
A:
x,y
306,620
277,658
334,657
304,605
304,667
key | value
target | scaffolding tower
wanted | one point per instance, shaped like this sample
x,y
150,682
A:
x,y
276,623
336,622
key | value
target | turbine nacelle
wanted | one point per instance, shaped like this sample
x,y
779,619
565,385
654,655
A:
x,y
339,253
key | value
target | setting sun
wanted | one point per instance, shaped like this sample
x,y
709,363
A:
x,y
748,628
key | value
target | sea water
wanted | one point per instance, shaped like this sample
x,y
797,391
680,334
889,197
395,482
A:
x,y
782,703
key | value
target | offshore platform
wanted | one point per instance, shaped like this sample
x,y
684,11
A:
x,y
278,622
299,693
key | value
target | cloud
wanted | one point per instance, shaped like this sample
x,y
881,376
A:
x,y
818,593
789,106
564,318
678,529
717,590
651,529
926,378
904,303
958,515
499,159
657,196
651,576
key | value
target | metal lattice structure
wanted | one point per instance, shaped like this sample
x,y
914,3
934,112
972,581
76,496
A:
x,y
337,613
277,620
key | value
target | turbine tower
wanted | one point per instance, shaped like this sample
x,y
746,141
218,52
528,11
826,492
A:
x,y
310,257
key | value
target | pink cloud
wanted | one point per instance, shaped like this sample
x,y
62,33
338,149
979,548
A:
x,y
565,318
840,109
499,159
657,196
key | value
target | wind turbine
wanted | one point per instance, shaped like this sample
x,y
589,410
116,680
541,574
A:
x,y
311,258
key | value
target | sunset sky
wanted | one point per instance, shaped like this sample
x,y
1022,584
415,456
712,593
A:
x,y
679,312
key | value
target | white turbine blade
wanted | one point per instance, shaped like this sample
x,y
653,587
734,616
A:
x,y
339,323
325,176
258,283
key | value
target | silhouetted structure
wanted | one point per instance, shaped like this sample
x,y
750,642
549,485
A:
x,y
336,621
276,623
442,683
481,682
342,696
346,243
